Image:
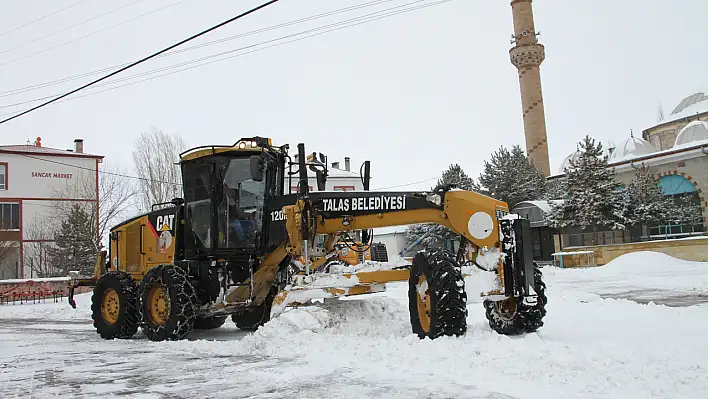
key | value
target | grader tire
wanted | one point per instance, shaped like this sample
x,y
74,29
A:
x,y
436,295
168,304
512,317
252,319
209,323
114,306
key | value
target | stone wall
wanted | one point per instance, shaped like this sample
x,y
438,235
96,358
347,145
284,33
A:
x,y
694,249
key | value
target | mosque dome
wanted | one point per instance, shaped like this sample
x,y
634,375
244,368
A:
x,y
633,147
566,162
694,131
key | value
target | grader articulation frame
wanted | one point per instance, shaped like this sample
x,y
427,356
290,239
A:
x,y
232,245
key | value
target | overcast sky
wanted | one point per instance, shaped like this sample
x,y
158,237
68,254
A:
x,y
413,93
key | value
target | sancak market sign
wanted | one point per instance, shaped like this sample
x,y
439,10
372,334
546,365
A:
x,y
52,175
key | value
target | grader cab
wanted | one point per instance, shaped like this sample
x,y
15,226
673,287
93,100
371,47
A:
x,y
237,245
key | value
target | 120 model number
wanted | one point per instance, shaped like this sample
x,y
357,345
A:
x,y
277,216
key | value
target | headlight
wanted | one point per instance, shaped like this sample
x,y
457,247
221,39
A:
x,y
434,198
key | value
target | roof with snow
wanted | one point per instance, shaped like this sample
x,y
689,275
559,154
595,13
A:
x,y
544,206
695,104
334,172
36,150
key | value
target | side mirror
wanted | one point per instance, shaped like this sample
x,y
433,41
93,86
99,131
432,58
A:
x,y
257,166
321,180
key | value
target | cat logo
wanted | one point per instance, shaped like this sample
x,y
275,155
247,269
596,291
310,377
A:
x,y
165,223
164,226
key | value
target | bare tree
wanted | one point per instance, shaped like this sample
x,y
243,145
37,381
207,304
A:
x,y
155,155
659,113
115,192
36,253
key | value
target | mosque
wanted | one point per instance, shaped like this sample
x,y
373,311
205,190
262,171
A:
x,y
675,150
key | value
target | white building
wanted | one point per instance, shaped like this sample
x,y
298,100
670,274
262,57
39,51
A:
x,y
338,178
34,182
394,237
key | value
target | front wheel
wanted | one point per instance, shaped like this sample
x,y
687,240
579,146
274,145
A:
x,y
436,295
114,306
513,317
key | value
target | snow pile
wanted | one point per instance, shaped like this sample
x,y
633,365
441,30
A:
x,y
326,280
478,282
49,310
641,270
589,347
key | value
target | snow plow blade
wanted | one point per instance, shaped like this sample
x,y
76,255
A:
x,y
307,288
99,269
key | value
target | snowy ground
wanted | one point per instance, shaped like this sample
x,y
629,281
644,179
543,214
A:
x,y
595,344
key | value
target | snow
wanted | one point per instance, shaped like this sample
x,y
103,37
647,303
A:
x,y
604,337
573,253
366,266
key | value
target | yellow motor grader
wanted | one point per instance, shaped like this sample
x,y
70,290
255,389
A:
x,y
237,245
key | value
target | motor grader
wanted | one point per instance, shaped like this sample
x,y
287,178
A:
x,y
237,245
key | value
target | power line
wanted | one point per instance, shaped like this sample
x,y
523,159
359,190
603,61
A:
x,y
41,18
255,9
100,171
93,33
179,184
131,77
408,184
238,55
310,18
70,27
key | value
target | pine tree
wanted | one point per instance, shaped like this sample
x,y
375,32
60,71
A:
x,y
455,175
510,176
594,197
684,210
76,244
437,233
646,204
555,190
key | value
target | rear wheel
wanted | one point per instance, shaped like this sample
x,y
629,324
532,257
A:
x,y
168,304
252,319
114,306
513,317
436,295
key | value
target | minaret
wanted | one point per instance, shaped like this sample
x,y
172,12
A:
x,y
527,56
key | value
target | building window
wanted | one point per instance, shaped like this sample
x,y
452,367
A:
x,y
9,216
3,176
344,188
